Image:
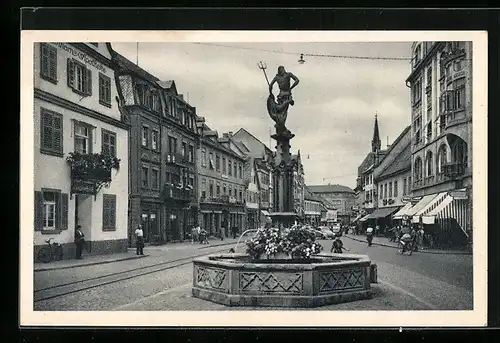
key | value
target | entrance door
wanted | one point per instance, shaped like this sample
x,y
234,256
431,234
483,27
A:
x,y
145,224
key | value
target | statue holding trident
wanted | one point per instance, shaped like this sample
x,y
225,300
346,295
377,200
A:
x,y
278,111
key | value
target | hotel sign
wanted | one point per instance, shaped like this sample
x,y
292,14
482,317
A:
x,y
82,56
459,195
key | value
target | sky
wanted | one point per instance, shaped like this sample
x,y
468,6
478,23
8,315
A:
x,y
335,101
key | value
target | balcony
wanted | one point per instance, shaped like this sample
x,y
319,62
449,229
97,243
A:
x,y
178,159
222,200
453,170
177,193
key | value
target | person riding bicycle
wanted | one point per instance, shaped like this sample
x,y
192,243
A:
x,y
405,239
338,245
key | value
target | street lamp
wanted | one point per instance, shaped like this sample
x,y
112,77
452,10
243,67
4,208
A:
x,y
301,60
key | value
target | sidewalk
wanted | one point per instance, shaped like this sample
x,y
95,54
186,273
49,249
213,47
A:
x,y
130,255
382,241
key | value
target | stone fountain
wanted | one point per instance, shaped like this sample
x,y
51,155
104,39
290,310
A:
x,y
237,279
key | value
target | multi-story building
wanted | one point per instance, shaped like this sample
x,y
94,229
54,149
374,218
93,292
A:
x,y
222,185
330,216
314,208
81,148
365,184
259,157
163,146
341,197
393,178
441,130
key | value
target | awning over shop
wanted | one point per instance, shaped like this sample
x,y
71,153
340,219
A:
x,y
264,212
365,218
429,206
449,207
399,214
420,205
357,218
381,213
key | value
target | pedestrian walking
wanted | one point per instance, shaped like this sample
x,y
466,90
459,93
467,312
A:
x,y
421,238
79,241
139,240
369,236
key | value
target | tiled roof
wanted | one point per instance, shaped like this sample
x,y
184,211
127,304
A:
x,y
124,63
330,189
400,164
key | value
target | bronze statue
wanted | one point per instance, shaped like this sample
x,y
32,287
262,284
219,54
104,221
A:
x,y
278,111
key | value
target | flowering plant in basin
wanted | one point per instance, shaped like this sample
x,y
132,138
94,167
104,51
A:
x,y
297,242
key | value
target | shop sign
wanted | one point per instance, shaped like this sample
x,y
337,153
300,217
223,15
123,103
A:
x,y
458,195
82,56
82,187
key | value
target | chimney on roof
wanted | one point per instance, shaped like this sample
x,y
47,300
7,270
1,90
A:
x,y
230,133
225,135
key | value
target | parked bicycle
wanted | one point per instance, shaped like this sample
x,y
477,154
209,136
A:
x,y
51,252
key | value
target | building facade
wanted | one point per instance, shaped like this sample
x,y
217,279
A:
x,y
441,128
81,148
341,197
222,187
163,145
314,208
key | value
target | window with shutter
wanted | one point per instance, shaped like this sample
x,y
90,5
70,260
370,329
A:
x,y
109,212
88,81
51,132
83,138
71,73
38,211
48,62
64,211
79,78
104,90
49,210
108,140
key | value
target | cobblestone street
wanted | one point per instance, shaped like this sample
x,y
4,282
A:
x,y
422,281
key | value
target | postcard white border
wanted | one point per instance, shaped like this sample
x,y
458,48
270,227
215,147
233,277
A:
x,y
476,317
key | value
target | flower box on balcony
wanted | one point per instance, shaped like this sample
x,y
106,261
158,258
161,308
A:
x,y
92,166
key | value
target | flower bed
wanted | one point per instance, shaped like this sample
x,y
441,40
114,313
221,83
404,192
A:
x,y
296,243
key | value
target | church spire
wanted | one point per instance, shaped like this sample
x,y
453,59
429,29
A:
x,y
376,144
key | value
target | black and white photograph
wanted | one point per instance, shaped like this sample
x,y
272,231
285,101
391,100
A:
x,y
269,172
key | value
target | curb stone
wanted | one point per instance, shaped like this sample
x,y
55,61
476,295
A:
x,y
437,252
90,263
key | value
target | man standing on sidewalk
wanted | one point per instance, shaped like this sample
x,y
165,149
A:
x,y
139,240
79,242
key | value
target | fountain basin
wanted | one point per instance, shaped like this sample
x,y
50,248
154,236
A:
x,y
238,280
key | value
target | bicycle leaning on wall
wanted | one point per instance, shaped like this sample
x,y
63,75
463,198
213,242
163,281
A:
x,y
51,252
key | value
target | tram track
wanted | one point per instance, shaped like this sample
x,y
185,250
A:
x,y
77,286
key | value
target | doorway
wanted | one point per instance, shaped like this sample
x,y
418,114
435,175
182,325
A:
x,y
149,224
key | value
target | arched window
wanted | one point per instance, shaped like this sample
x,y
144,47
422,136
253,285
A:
x,y
417,55
417,169
459,152
428,164
441,159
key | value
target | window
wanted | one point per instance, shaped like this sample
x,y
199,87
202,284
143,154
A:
x,y
79,78
381,195
108,212
108,139
184,150
204,188
211,160
104,90
385,191
230,167
83,138
442,159
217,190
191,181
145,177
240,198
224,189
459,152
154,178
241,171
154,140
217,162
224,166
203,158
417,172
230,190
211,189
459,86
395,188
49,210
235,171
145,136
404,186
172,145
156,102
428,163
429,130
48,62
416,92
390,189
191,154
51,132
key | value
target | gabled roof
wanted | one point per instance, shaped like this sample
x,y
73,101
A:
x,y
258,140
168,85
126,64
330,189
400,137
401,163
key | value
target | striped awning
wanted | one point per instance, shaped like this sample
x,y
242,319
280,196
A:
x,y
421,204
264,212
429,207
399,214
449,208
365,218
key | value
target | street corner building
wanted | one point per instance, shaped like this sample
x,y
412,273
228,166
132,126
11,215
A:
x,y
164,141
81,149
